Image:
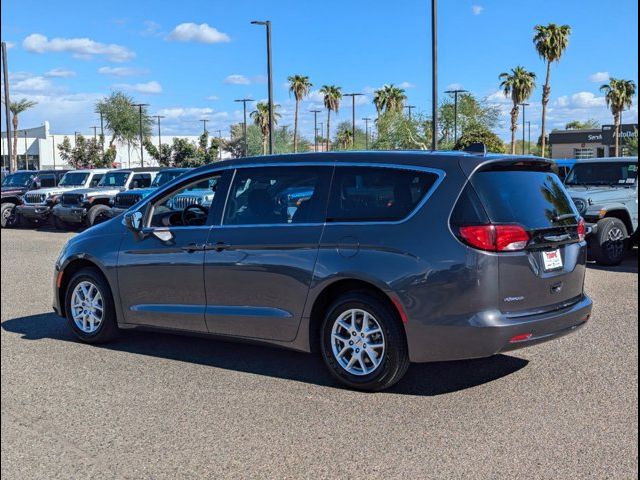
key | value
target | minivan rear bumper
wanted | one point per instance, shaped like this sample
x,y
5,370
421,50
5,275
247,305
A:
x,y
490,333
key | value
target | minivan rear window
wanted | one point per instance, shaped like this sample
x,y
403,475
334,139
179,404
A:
x,y
533,199
376,193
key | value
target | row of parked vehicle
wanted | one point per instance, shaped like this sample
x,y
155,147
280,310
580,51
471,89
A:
x,y
75,198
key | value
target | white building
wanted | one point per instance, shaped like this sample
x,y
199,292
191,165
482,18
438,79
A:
x,y
38,149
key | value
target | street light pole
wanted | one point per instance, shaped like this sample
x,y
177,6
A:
x,y
353,115
315,128
101,132
523,105
244,123
455,111
529,135
158,117
204,124
95,133
140,107
366,131
220,142
434,74
321,129
267,24
7,105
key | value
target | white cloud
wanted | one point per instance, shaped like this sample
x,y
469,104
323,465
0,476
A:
x,y
10,45
60,73
599,77
152,87
192,32
121,71
32,85
455,86
213,98
151,28
237,79
406,84
83,48
498,97
580,100
184,112
477,9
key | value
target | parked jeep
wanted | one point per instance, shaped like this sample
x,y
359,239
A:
x,y
15,185
88,206
124,200
605,192
37,204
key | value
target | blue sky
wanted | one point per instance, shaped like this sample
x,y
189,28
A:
x,y
191,59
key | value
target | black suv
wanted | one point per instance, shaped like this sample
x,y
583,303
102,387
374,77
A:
x,y
15,185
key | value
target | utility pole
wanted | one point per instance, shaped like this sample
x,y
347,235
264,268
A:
x,y
7,105
53,150
220,142
523,105
455,111
529,135
321,129
158,117
244,123
267,24
434,74
26,160
410,109
315,129
353,115
102,131
140,107
366,131
95,133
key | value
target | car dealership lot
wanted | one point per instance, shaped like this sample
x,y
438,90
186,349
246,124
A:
x,y
155,405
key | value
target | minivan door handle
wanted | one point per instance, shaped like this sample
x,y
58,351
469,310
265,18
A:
x,y
192,247
218,246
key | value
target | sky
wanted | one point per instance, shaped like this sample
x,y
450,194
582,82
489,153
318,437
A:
x,y
190,59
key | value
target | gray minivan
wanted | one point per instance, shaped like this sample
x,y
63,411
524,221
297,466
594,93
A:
x,y
374,259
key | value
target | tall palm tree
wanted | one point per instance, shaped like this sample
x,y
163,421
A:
x,y
299,85
619,95
519,85
260,117
332,96
344,139
379,100
551,41
389,98
16,109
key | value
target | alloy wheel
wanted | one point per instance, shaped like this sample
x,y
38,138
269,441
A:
x,y
357,342
87,307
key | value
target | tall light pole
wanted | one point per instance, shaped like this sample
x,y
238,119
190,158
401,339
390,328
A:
x,y
53,150
267,24
529,140
366,131
410,110
244,123
140,107
158,117
353,115
321,130
26,159
434,74
95,133
455,93
523,105
7,103
101,131
220,144
204,124
75,139
315,129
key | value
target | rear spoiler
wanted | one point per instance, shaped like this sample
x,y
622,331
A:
x,y
471,165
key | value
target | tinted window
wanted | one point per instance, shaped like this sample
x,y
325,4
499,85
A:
x,y
469,209
114,179
529,198
47,180
74,179
605,173
21,179
95,180
141,180
166,176
376,194
267,196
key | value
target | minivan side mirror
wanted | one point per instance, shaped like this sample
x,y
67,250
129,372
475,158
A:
x,y
133,221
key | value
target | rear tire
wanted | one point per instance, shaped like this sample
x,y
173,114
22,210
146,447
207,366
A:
x,y
386,365
8,218
105,325
97,214
609,244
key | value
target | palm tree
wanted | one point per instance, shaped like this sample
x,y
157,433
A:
x,y
551,41
260,118
299,85
344,139
16,109
332,96
390,99
619,95
379,100
519,85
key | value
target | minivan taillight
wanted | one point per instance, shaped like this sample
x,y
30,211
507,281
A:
x,y
495,238
582,229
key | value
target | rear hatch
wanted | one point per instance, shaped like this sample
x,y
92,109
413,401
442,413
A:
x,y
540,254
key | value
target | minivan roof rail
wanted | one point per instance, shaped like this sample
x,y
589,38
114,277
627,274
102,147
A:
x,y
476,148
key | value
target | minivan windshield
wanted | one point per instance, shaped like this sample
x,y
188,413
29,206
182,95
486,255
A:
x,y
603,173
165,177
74,179
114,179
533,199
19,179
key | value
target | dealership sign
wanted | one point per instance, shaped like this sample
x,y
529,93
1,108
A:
x,y
603,136
627,132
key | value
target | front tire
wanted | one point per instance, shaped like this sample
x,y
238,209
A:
x,y
609,244
363,342
97,214
8,216
89,307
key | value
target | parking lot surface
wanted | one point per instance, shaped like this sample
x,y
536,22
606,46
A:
x,y
159,406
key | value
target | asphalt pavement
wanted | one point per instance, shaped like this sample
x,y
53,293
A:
x,y
160,406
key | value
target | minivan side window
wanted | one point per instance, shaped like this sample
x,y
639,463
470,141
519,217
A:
x,y
374,194
277,196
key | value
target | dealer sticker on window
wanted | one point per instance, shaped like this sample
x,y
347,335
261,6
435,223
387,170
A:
x,y
552,260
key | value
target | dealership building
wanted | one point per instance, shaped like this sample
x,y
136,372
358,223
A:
x,y
592,143
38,149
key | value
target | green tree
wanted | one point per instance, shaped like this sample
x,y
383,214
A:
x,y
332,95
519,85
86,153
578,125
479,134
397,132
299,85
358,142
260,117
389,98
550,41
16,108
472,113
122,118
619,95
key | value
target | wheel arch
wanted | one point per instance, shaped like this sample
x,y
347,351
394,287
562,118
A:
x,y
69,269
623,215
14,200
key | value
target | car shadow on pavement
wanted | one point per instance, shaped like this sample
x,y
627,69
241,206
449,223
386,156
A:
x,y
628,265
421,379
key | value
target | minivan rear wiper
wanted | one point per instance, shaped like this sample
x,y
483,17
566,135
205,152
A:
x,y
566,216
